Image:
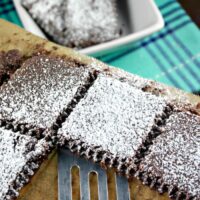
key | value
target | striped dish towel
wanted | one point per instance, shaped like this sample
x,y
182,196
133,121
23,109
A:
x,y
171,56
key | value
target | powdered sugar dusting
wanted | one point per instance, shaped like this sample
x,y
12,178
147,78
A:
x,y
175,155
40,90
12,159
77,24
120,74
90,22
113,115
14,155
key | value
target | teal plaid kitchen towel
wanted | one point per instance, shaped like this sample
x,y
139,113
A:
x,y
171,56
7,12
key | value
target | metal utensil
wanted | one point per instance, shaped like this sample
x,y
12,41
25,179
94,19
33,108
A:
x,y
66,160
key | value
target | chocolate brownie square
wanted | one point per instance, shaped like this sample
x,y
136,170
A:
x,y
112,122
41,93
173,161
20,156
79,24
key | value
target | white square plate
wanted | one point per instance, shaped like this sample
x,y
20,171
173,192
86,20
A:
x,y
137,18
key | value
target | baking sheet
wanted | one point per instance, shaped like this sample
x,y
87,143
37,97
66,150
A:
x,y
44,184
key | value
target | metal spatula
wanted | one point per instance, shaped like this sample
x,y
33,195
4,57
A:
x,y
66,160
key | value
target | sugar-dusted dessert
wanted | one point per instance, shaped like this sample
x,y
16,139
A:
x,y
79,24
9,62
20,156
90,22
113,123
42,92
173,161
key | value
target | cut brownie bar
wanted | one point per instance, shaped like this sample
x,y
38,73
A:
x,y
112,122
20,156
173,161
9,62
42,92
79,24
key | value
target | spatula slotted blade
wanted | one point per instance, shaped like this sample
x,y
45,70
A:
x,y
66,160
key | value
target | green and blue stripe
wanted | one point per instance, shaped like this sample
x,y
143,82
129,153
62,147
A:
x,y
171,56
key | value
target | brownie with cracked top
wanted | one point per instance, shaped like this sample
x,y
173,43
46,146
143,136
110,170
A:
x,y
173,161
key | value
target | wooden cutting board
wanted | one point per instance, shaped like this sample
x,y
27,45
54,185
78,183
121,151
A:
x,y
44,185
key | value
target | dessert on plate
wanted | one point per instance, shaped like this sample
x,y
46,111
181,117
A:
x,y
76,24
